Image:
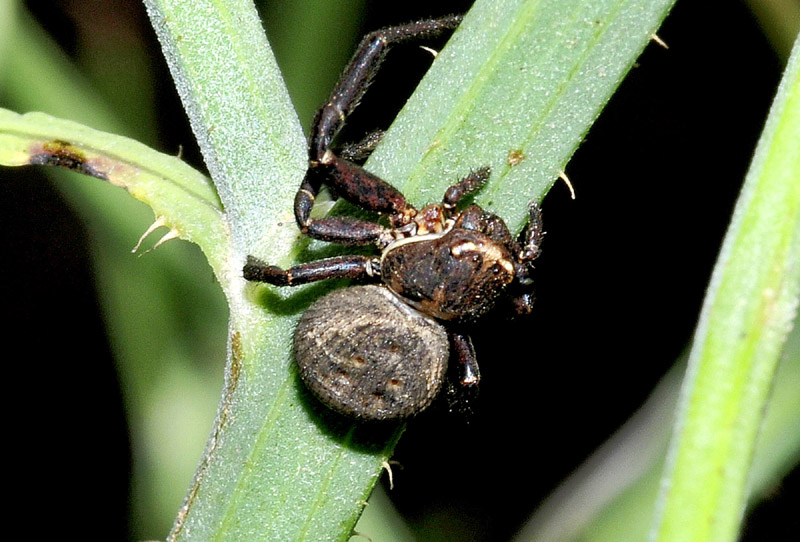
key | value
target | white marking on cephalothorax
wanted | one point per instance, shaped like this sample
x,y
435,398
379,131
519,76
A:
x,y
408,240
459,249
328,157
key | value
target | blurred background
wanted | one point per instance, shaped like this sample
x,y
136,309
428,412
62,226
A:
x,y
116,359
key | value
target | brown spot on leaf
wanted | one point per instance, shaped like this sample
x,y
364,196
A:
x,y
62,154
236,361
515,156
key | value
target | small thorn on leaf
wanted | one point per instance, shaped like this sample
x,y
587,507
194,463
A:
x,y
659,41
153,227
563,176
171,234
385,464
434,52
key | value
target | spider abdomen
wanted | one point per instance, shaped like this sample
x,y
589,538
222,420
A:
x,y
364,353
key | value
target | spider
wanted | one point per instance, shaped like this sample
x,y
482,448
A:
x,y
380,351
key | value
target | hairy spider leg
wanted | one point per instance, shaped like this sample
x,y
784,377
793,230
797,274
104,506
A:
x,y
531,238
348,179
355,152
360,71
465,186
338,267
463,376
528,248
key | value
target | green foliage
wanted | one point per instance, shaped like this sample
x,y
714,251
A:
x,y
516,88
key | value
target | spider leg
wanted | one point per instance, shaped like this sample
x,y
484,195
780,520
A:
x,y
530,240
463,354
527,248
351,267
347,231
348,179
353,183
465,186
359,74
355,152
463,376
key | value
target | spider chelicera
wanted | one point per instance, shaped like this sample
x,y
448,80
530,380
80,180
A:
x,y
380,351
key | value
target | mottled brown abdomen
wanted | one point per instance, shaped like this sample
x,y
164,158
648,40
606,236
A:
x,y
364,353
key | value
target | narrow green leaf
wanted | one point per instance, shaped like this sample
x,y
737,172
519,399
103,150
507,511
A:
x,y
181,197
8,16
748,312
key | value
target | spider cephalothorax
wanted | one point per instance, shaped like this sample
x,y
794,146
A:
x,y
378,352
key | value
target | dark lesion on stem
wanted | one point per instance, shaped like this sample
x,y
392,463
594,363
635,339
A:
x,y
63,154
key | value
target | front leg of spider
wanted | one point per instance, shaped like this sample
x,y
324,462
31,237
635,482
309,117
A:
x,y
349,180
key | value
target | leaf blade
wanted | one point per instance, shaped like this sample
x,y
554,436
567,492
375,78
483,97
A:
x,y
746,317
180,195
